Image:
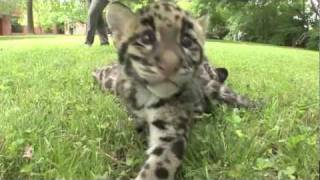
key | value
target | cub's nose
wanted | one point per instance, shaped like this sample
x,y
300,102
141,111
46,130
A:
x,y
169,63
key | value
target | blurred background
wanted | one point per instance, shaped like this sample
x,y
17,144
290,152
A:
x,y
279,22
55,123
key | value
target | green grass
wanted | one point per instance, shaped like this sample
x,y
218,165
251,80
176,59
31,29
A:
x,y
49,101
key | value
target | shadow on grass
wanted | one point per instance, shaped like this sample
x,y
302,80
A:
x,y
258,44
17,37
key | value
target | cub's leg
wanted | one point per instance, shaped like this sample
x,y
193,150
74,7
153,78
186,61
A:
x,y
167,143
216,91
212,81
106,77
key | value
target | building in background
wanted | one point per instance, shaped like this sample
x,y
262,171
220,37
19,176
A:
x,y
11,25
5,25
78,28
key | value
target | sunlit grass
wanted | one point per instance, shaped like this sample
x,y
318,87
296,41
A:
x,y
48,101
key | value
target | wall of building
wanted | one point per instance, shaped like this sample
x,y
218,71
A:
x,y
76,28
5,25
37,30
6,28
0,26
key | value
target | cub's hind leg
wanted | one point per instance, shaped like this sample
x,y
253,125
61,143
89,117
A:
x,y
106,77
216,91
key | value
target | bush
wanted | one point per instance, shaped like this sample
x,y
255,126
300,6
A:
x,y
218,32
314,38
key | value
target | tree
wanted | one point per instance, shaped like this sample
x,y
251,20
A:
x,y
315,4
281,22
30,25
50,13
8,6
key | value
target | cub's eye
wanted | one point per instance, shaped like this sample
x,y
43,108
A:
x,y
186,41
148,37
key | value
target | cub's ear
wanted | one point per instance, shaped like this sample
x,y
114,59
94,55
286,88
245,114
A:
x,y
204,22
222,74
121,21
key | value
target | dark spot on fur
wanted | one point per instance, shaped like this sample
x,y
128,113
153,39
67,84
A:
x,y
128,68
182,126
146,166
215,87
183,119
160,124
159,163
198,110
147,9
215,94
178,148
156,6
138,44
158,104
141,12
108,84
148,21
144,10
167,160
167,7
157,58
158,151
141,128
124,48
162,173
122,51
176,17
158,16
139,59
165,4
186,24
167,139
133,100
177,8
119,86
100,75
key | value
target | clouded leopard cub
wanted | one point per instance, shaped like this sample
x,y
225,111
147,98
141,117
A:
x,y
163,79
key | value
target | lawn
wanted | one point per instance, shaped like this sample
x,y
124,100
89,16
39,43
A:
x,y
49,103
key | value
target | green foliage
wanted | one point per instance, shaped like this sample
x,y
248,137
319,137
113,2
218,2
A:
x,y
55,12
48,13
280,22
314,35
48,101
9,6
186,5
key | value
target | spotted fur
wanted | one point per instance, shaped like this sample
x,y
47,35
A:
x,y
107,76
163,78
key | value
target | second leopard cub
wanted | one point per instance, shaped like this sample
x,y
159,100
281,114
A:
x,y
160,79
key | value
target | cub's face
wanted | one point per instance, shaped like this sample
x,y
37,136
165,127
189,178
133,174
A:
x,y
161,45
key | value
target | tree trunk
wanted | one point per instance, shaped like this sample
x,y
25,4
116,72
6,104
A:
x,y
315,5
30,17
304,16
